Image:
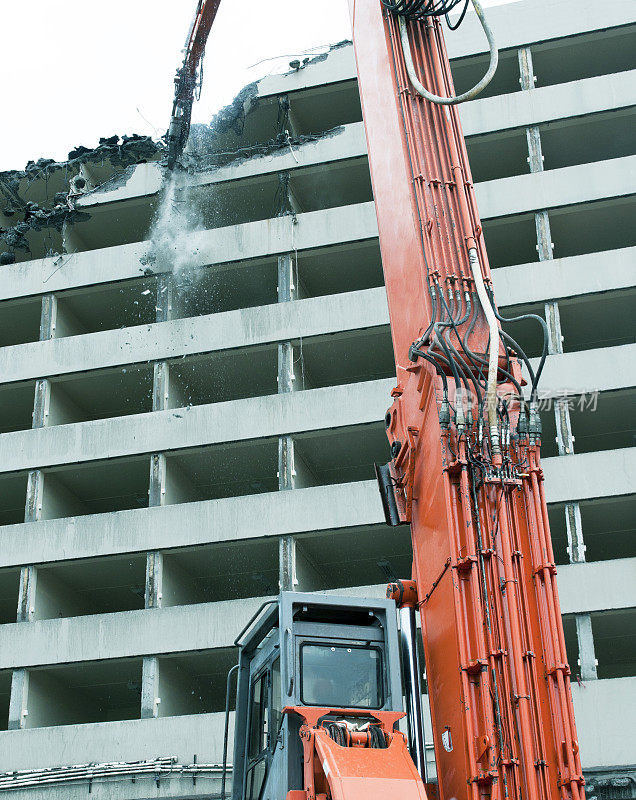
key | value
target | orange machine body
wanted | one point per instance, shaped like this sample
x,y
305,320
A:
x,y
496,667
356,771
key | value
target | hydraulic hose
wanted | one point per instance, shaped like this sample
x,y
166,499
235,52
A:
x,y
493,347
471,93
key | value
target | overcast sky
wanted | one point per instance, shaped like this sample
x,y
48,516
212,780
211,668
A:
x,y
75,70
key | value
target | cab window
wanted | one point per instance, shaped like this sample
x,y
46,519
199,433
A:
x,y
341,676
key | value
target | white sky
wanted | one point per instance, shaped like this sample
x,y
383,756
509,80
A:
x,y
75,70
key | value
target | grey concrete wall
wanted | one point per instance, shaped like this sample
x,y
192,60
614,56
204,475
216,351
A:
x,y
589,587
128,740
245,327
195,426
219,246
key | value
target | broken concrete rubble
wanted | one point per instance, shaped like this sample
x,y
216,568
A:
x,y
41,198
36,198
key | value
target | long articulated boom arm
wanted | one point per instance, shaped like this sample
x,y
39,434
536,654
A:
x,y
186,79
466,471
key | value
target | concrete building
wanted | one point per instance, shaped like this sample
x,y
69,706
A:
x,y
176,446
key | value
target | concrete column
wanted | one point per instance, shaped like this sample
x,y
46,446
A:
x,y
553,319
545,246
35,491
156,497
18,710
287,289
292,562
565,439
297,570
48,323
154,579
587,654
157,487
150,699
160,386
26,596
41,403
286,471
165,299
526,76
574,529
48,317
35,481
287,122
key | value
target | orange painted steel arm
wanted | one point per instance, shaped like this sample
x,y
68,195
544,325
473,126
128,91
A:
x,y
497,673
355,772
186,78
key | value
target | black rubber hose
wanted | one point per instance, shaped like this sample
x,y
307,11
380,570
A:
x,y
430,359
450,359
544,353
460,20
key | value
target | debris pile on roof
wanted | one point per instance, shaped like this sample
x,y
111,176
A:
x,y
39,197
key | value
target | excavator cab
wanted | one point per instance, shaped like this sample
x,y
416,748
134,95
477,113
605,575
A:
x,y
312,667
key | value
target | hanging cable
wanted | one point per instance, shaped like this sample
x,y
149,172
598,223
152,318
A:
x,y
461,17
461,98
544,353
418,9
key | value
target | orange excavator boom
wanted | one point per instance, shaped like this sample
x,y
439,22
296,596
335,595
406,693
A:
x,y
187,78
466,471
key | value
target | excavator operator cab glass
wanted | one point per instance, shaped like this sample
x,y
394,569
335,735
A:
x,y
342,676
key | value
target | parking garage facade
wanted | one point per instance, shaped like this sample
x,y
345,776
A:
x,y
176,445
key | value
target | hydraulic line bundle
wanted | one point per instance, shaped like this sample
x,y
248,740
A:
x,y
465,438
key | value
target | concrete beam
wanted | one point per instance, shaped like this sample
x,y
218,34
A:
x,y
345,142
559,278
587,371
125,634
129,634
138,180
505,112
128,740
245,327
581,371
597,586
144,787
598,705
583,183
218,246
555,188
606,733
336,507
525,23
196,426
338,66
514,25
585,476
550,103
